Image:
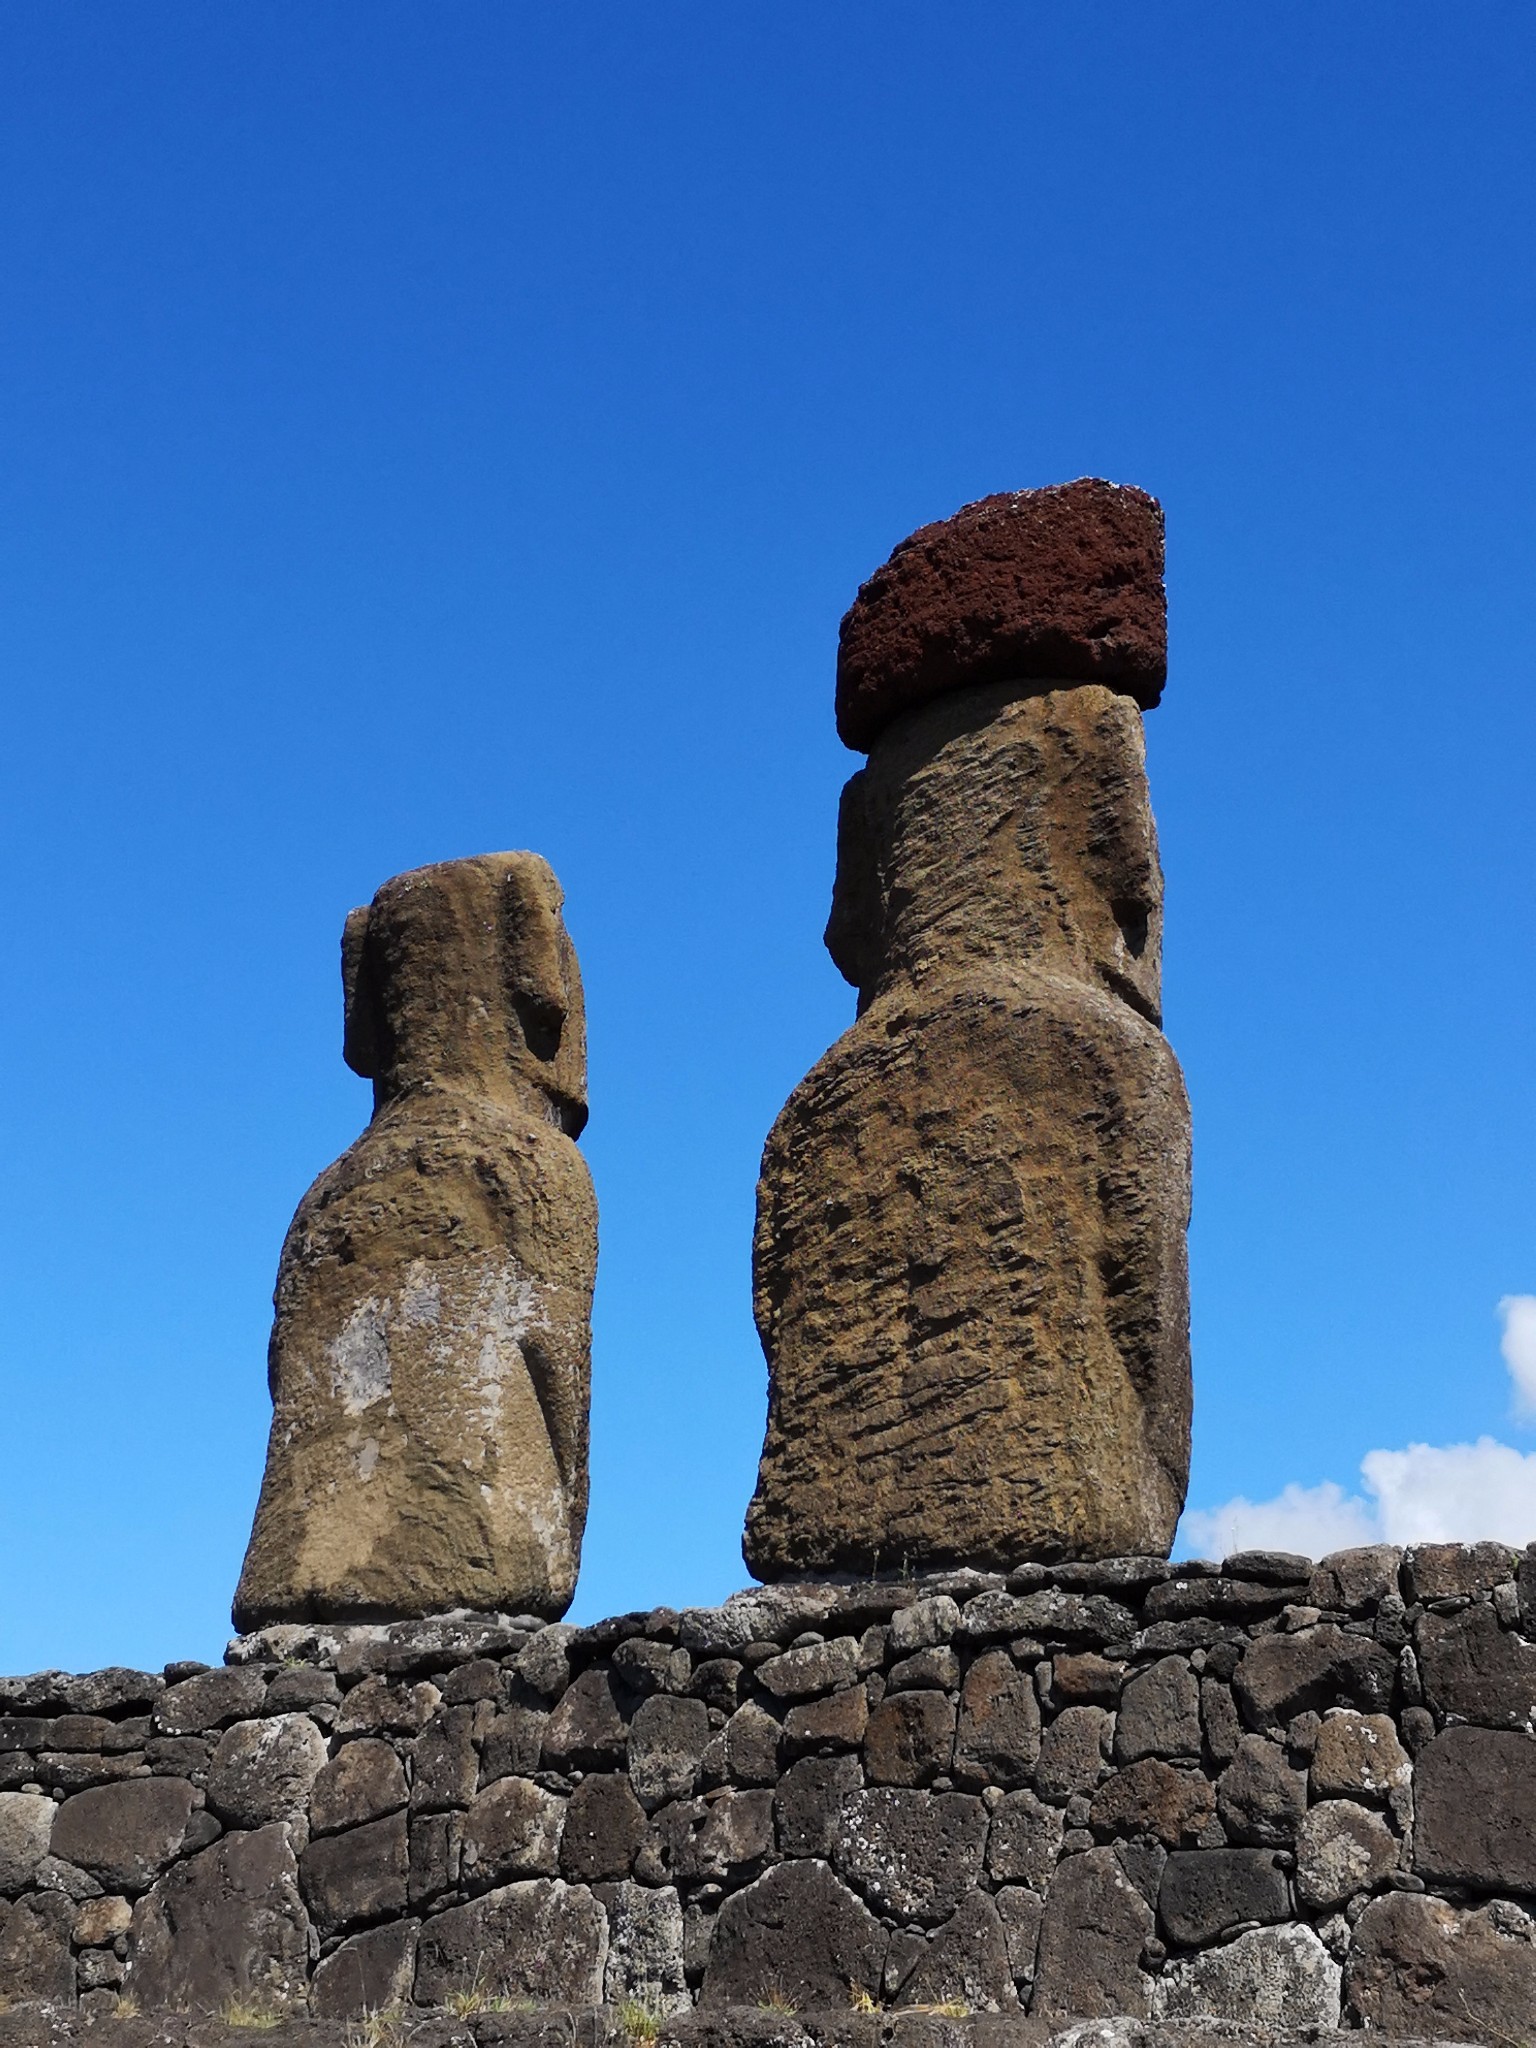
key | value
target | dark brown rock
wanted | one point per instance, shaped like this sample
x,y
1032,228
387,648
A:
x,y
224,1927
1219,1720
436,1843
1204,1892
997,1741
604,1827
751,1746
364,1781
911,1854
356,1877
35,1961
816,1667
513,1744
797,1936
1063,584
1281,1676
1084,1678
378,1708
1154,1798
445,1765
1475,1794
124,1834
809,1800
1475,1670
512,1830
1092,1937
1021,1912
1355,1579
1449,1571
837,1722
1418,1966
213,1699
588,1728
1159,1713
909,1739
432,1332
370,1973
1358,1756
543,1940
1259,1797
1074,1751
942,1391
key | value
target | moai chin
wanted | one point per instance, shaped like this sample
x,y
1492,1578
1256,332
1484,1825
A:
x,y
969,1265
431,1344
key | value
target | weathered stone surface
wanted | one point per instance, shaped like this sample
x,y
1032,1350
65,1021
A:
x,y
1355,1579
604,1827
797,1935
513,1745
966,1962
363,1782
938,1394
924,1624
1261,1800
1475,1800
34,1949
1092,1936
809,1800
1420,1966
997,1741
1159,1713
909,1740
587,1728
544,1940
1281,1676
429,1361
370,1972
123,1834
1021,1912
378,1708
26,1823
667,1737
359,1876
1448,1571
1358,1756
1204,1892
436,1841
911,1854
817,1667
1275,1976
1084,1678
1155,1798
445,1766
212,1699
840,1721
1024,1840
1475,1670
1074,1751
751,1746
98,1921
645,1948
225,1926
1064,584
1342,1849
263,1770
512,1830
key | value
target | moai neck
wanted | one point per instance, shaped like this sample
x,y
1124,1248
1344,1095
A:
x,y
460,978
1002,826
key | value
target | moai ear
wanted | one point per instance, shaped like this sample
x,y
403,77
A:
x,y
854,928
360,1030
533,956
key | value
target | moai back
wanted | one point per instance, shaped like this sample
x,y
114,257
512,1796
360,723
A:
x,y
970,1276
430,1353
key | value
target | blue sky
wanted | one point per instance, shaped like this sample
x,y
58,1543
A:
x,y
436,429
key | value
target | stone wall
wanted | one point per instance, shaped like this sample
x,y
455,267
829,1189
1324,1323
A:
x,y
1268,1791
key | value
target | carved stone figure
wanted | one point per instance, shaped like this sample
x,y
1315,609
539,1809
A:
x,y
430,1353
970,1276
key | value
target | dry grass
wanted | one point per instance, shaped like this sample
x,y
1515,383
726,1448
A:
x,y
640,2018
244,2012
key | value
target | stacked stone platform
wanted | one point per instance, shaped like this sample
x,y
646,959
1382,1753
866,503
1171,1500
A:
x,y
1268,1792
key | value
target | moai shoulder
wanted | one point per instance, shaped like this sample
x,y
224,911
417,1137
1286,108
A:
x,y
970,1275
430,1354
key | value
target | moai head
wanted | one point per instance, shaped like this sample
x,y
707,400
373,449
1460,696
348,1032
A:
x,y
993,669
462,976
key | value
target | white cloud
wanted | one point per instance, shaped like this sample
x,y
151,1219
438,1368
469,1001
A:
x,y
1428,1493
1518,1345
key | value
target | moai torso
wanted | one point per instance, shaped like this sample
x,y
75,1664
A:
x,y
430,1354
970,1251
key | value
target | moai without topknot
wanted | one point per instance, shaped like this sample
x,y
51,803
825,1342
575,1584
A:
x,y
430,1354
970,1275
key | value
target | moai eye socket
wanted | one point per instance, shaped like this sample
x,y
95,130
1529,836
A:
x,y
1135,922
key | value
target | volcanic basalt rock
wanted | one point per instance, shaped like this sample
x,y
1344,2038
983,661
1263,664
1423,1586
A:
x,y
970,1276
430,1352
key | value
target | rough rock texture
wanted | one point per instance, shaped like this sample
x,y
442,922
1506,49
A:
x,y
970,1277
477,1831
430,1352
1064,583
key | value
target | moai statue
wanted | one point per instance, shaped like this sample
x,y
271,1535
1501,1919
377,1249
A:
x,y
970,1276
431,1347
